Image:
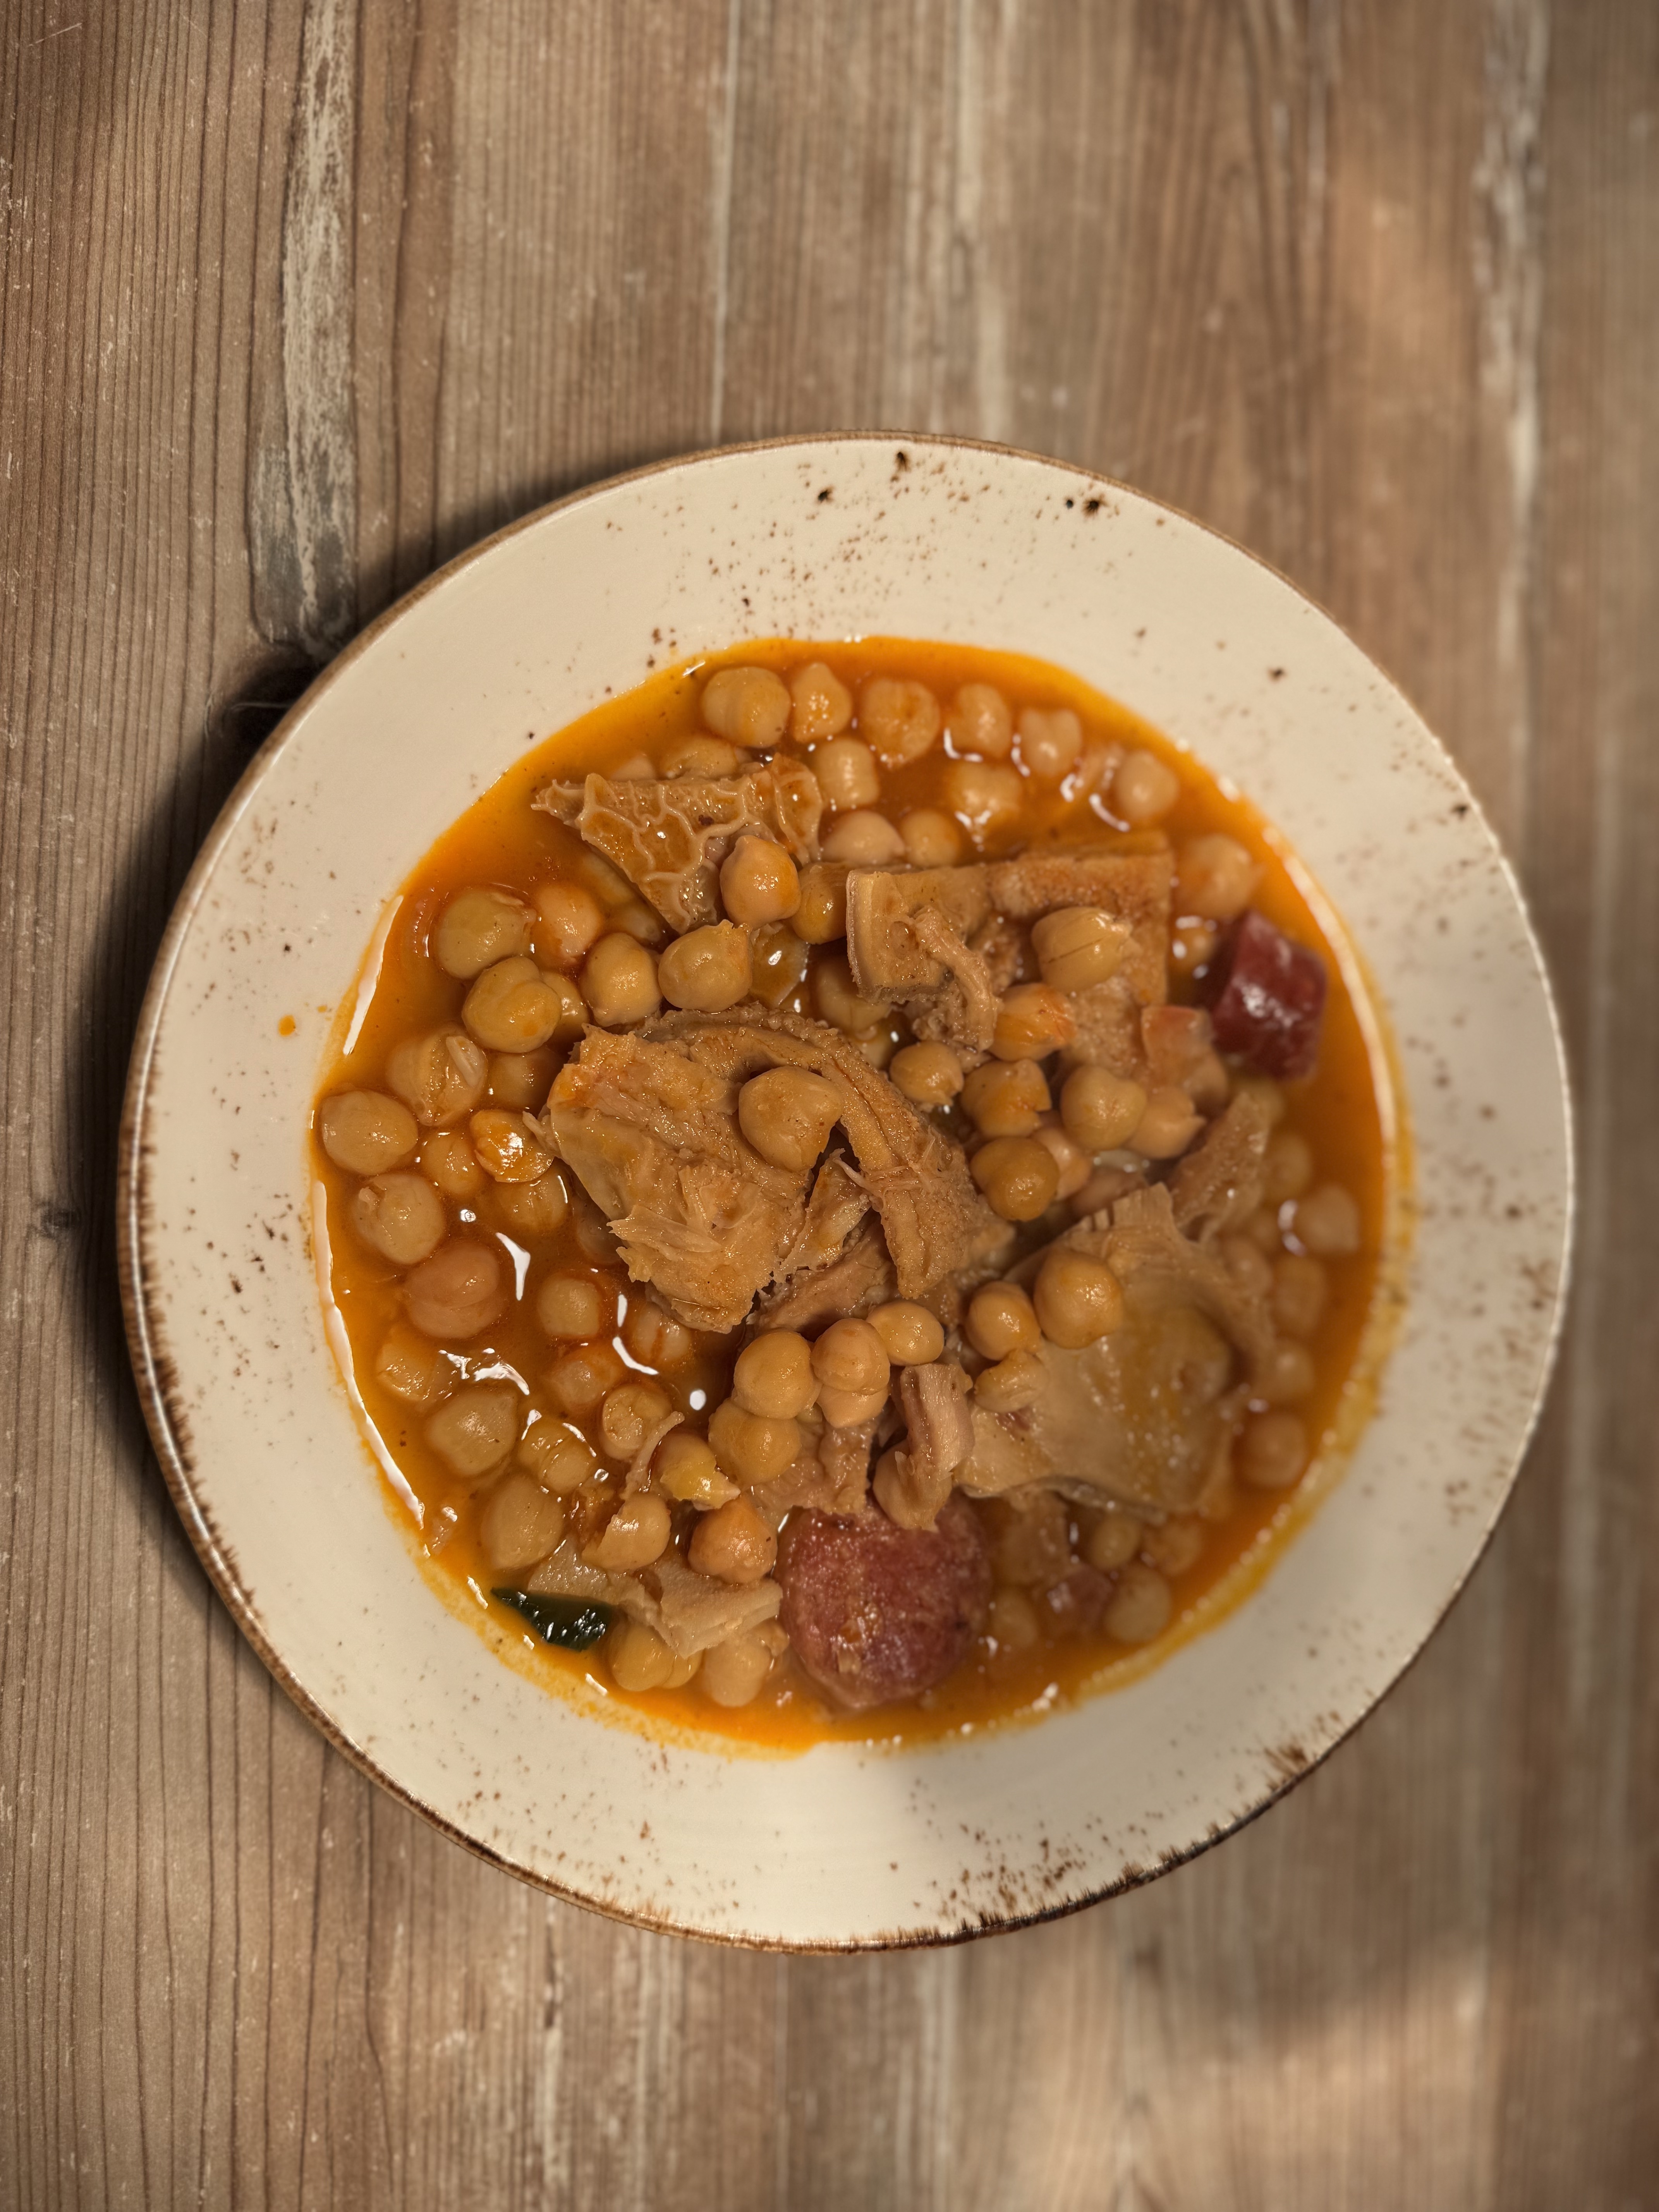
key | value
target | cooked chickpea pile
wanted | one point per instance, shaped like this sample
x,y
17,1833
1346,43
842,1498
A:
x,y
572,1422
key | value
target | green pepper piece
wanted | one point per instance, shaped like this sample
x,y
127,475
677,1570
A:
x,y
574,1623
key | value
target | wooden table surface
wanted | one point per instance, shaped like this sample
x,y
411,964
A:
x,y
298,297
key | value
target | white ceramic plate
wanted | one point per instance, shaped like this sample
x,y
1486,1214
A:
x,y
841,1847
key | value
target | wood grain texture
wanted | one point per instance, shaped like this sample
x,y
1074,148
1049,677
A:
x,y
301,295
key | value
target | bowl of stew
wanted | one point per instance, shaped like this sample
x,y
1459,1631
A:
x,y
845,1192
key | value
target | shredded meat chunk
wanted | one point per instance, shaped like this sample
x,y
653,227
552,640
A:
x,y
1139,1415
648,1123
944,943
669,835
1219,1181
915,1479
1129,886
906,944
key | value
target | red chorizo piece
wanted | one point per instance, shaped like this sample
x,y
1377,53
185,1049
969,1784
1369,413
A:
x,y
1268,998
876,1612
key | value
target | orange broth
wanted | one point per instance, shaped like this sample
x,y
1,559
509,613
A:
x,y
1345,1110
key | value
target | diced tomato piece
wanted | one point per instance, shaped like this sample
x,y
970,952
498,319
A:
x,y
1268,998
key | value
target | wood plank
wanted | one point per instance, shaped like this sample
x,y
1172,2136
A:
x,y
301,297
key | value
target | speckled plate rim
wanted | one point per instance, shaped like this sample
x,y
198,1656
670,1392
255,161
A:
x,y
958,1913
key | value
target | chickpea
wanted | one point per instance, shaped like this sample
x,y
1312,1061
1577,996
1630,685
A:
x,y
851,1357
520,1080
707,968
774,1375
821,917
638,768
653,1336
748,706
910,1335
750,1447
509,1145
878,1049
560,1458
1167,1126
608,884
413,1370
1078,945
1018,1177
1006,1098
1050,741
460,1291
573,1008
1001,1319
838,998
1287,1167
1300,1288
473,1432
1141,1606
1192,946
579,1378
1143,789
479,927
1013,1383
1078,1299
1327,1223
1285,1373
931,840
898,718
400,1216
1112,1541
759,881
637,1657
1176,1546
1248,1265
846,774
777,964
629,1413
702,757
979,723
633,918
822,705
985,799
1274,1451
620,981
440,1076
533,1209
1214,878
1032,1022
520,1524
734,1673
510,1008
849,1409
635,1534
569,922
685,1466
1206,1083
786,1114
733,1543
928,1074
864,839
365,1132
1013,1624
1073,1164
594,1235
